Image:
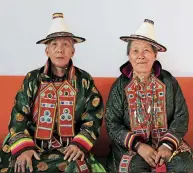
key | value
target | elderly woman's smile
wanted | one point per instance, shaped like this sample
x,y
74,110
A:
x,y
142,62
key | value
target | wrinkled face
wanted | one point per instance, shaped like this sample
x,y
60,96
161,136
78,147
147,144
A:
x,y
60,51
141,56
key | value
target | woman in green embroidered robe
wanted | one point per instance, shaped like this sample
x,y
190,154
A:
x,y
57,113
146,113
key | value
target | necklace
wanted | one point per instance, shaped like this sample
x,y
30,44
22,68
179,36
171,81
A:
x,y
146,102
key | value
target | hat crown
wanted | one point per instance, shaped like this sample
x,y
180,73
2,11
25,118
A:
x,y
146,32
147,29
149,21
59,29
58,24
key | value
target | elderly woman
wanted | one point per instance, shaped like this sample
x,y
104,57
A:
x,y
146,113
57,114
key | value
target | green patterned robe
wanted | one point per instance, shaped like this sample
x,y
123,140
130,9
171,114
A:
x,y
118,124
88,119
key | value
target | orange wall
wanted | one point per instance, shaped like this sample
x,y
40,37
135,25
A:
x,y
10,84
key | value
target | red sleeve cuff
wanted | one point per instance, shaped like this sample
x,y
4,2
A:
x,y
21,144
131,140
170,139
83,141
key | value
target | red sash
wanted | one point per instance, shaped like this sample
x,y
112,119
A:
x,y
55,105
66,106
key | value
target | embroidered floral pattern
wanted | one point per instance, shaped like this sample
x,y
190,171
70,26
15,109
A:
x,y
96,101
19,117
62,166
42,166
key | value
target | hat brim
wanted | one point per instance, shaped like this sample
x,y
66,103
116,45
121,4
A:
x,y
75,38
159,47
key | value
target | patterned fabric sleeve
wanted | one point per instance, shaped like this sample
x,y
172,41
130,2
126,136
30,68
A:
x,y
91,119
20,139
114,119
179,125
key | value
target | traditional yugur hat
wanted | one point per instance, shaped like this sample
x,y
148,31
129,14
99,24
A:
x,y
59,29
146,32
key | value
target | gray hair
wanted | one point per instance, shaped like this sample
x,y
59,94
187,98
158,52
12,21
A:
x,y
49,41
129,46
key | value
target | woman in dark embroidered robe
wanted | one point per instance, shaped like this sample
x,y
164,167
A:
x,y
146,113
57,114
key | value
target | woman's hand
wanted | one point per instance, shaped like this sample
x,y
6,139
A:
x,y
164,153
73,153
23,159
148,153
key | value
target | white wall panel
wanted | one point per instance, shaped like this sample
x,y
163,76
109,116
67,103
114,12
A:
x,y
101,22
